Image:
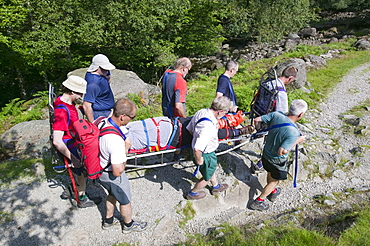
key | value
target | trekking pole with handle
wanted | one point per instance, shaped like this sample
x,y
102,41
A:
x,y
73,181
296,167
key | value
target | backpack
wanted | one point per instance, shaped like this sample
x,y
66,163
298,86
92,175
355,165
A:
x,y
264,100
87,140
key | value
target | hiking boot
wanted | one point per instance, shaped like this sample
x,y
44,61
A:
x,y
178,157
106,225
259,205
258,167
67,193
197,196
221,188
136,226
85,202
272,196
246,130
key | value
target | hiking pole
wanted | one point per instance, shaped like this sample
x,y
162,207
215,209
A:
x,y
296,167
74,187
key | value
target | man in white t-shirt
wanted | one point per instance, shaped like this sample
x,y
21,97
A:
x,y
203,127
113,150
288,75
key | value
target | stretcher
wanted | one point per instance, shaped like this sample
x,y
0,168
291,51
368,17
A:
x,y
134,158
231,144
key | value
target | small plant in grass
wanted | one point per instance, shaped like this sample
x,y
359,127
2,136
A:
x,y
5,217
188,212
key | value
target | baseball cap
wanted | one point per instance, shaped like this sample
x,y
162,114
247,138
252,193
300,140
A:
x,y
102,61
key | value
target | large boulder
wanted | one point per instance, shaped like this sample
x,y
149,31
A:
x,y
30,138
123,82
362,44
299,64
307,32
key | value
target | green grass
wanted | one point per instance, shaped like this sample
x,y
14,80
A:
x,y
202,91
347,228
11,170
325,79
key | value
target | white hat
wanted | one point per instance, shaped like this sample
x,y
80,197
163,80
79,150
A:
x,y
102,61
76,84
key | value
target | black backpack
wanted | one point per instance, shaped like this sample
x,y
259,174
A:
x,y
264,100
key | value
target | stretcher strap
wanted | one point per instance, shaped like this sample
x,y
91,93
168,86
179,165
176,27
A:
x,y
158,134
146,134
173,132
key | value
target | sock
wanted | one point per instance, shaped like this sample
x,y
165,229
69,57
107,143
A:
x,y
260,199
272,192
83,197
193,193
216,187
109,220
129,224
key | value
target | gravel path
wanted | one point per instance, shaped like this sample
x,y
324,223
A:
x,y
40,217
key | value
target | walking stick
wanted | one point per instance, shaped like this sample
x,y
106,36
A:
x,y
296,167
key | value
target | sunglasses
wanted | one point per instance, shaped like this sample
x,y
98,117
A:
x,y
131,117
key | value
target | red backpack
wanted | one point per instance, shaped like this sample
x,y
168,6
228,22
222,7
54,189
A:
x,y
87,140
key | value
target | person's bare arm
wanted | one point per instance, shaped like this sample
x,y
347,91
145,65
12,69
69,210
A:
x,y
180,109
62,148
118,169
219,94
198,157
87,106
282,151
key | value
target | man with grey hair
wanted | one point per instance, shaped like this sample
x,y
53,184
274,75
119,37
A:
x,y
174,89
203,127
224,86
283,136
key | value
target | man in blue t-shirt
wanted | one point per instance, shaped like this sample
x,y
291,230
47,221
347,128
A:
x,y
99,98
224,86
280,140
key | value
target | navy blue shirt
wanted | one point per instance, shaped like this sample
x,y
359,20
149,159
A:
x,y
225,87
99,93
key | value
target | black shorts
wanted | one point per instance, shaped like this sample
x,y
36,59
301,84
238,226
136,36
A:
x,y
278,171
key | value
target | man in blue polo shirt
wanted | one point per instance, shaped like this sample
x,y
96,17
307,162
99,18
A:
x,y
224,86
99,98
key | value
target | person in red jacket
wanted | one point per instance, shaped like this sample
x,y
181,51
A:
x,y
65,113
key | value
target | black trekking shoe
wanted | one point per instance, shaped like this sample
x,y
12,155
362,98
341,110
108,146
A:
x,y
259,205
85,202
67,193
272,197
258,167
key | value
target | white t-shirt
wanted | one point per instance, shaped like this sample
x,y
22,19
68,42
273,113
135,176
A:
x,y
205,132
112,149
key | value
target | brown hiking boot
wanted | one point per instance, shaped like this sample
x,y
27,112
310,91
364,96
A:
x,y
246,130
221,188
197,196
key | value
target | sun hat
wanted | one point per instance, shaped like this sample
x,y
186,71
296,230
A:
x,y
76,84
102,61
